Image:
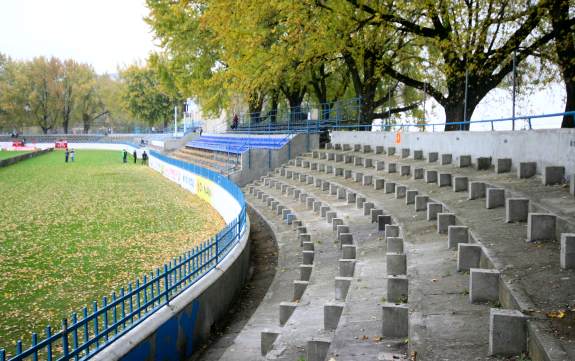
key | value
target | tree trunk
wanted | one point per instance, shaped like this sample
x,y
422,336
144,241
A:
x,y
565,48
66,122
274,106
255,105
454,113
86,120
569,120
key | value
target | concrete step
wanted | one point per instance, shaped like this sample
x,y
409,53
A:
x,y
489,224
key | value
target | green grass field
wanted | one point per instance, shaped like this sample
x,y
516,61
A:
x,y
72,233
4,154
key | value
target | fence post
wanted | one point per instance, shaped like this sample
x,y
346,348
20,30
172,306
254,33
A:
x,y
217,249
65,338
166,284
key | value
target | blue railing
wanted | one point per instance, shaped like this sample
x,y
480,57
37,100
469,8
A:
x,y
346,115
96,327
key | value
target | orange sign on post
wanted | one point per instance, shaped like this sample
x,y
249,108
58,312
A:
x,y
397,137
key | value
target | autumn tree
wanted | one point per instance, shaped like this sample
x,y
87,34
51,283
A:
x,y
477,37
145,97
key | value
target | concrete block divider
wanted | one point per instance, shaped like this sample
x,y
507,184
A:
x,y
503,165
567,255
516,209
375,213
421,203
405,170
400,191
464,161
395,245
495,198
526,169
482,163
484,285
553,175
342,287
391,230
507,332
389,187
468,256
444,220
430,176
349,251
299,288
316,350
541,227
418,173
346,267
476,190
286,310
267,339
305,271
395,320
345,239
460,184
397,288
359,201
378,183
433,209
382,221
410,196
457,235
331,314
396,264
444,180
446,159
367,207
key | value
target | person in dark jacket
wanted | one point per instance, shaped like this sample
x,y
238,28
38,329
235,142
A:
x,y
135,156
67,155
144,158
125,156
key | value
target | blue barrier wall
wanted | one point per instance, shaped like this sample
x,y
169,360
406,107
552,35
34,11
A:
x,y
173,332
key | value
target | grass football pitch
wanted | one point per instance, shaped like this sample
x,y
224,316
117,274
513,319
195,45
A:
x,y
71,233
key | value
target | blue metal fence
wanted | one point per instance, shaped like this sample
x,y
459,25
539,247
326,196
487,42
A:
x,y
346,114
95,327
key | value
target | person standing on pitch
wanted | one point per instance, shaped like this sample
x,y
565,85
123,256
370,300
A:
x,y
125,156
72,155
144,158
135,156
67,155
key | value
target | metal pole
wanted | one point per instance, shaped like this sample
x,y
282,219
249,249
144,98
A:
x,y
175,120
465,101
514,86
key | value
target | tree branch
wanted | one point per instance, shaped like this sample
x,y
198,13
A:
x,y
395,111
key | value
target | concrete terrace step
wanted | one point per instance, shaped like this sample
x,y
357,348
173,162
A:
x,y
359,334
246,345
307,323
438,281
505,241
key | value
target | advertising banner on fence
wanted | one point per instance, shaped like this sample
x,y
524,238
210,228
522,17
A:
x,y
216,196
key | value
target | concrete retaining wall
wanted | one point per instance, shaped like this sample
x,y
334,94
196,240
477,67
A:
x,y
21,157
258,162
544,146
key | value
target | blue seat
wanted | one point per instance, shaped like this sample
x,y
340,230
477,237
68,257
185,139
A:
x,y
236,145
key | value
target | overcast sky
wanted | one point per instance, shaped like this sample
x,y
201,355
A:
x,y
104,33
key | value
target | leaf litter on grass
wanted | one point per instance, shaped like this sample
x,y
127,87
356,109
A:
x,y
73,233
